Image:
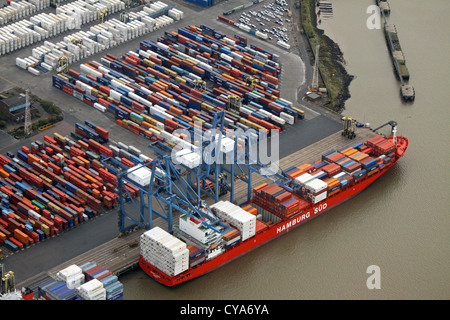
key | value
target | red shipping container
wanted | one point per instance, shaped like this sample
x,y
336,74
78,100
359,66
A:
x,y
91,271
54,168
16,242
48,140
374,141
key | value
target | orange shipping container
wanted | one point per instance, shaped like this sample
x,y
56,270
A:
x,y
90,178
175,110
83,144
22,237
251,210
349,151
96,194
87,163
296,173
4,174
361,157
146,124
306,167
32,158
260,187
224,75
333,183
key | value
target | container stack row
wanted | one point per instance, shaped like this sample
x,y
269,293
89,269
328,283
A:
x,y
164,251
86,282
82,44
44,25
282,202
154,90
53,186
337,170
203,244
20,9
239,218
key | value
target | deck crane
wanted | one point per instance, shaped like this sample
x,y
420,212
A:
x,y
393,125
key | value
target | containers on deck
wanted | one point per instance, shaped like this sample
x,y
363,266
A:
x,y
164,251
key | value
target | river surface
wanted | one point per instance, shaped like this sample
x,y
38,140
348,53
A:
x,y
400,224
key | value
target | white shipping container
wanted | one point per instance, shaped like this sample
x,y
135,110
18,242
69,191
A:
x,y
289,119
21,63
99,107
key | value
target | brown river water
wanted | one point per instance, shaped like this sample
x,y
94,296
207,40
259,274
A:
x,y
399,224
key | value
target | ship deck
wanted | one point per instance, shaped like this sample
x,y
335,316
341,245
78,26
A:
x,y
122,253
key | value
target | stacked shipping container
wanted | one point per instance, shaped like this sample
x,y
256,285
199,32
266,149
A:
x,y
152,91
335,171
86,282
100,37
164,251
53,186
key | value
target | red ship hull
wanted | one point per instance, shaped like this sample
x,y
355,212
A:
x,y
273,231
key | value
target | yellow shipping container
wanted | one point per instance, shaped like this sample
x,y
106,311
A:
x,y
62,76
206,107
148,63
299,111
46,229
257,62
94,92
195,118
192,61
45,178
180,80
172,73
165,86
59,138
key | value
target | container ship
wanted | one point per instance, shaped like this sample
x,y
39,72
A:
x,y
195,250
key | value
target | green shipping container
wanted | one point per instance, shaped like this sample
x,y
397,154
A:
x,y
136,117
38,204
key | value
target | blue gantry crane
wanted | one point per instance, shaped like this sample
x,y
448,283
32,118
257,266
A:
x,y
170,186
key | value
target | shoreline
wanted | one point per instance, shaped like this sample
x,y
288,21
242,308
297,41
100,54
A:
x,y
331,63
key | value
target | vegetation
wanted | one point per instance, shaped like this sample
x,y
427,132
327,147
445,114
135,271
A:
x,y
54,112
332,71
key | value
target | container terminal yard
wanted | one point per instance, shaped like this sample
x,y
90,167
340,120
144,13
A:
x,y
306,132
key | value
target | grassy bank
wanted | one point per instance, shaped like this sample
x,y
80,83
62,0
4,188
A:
x,y
333,74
